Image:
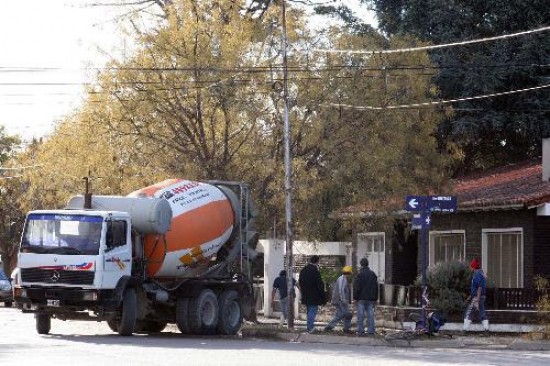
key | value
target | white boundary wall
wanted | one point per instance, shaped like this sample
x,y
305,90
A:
x,y
274,251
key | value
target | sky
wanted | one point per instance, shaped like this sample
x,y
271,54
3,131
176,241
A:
x,y
48,51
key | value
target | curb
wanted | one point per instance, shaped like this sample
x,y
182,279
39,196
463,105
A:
x,y
489,343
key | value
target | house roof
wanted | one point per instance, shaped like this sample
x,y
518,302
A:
x,y
511,186
514,186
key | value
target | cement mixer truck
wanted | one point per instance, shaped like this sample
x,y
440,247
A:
x,y
176,252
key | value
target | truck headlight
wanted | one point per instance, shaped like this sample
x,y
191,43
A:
x,y
19,292
89,296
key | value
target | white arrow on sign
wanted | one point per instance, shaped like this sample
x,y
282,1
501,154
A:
x,y
413,203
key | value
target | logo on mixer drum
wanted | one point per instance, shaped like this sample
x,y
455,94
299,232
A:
x,y
167,195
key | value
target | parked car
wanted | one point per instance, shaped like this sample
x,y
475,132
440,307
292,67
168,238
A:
x,y
6,295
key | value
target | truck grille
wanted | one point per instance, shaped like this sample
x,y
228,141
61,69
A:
x,y
57,276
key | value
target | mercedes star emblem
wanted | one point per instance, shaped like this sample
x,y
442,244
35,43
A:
x,y
55,276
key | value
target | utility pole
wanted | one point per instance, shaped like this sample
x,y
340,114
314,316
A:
x,y
288,179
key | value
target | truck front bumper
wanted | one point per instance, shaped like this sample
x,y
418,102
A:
x,y
64,301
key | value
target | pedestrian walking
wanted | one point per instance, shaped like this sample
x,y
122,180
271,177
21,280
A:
x,y
365,295
476,299
341,299
280,285
312,289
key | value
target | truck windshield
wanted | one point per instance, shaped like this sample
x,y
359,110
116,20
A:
x,y
62,234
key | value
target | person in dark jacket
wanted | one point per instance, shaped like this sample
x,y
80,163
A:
x,y
312,289
280,284
365,295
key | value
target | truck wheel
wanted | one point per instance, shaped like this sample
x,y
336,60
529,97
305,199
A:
x,y
231,316
8,304
128,315
43,323
182,315
203,313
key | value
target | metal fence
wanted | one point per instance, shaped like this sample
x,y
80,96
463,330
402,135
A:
x,y
497,298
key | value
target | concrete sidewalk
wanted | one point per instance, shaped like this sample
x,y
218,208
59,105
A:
x,y
270,328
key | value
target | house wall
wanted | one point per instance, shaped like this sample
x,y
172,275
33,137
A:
x,y
536,231
542,246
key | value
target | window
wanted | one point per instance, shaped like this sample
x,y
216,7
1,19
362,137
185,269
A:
x,y
446,246
116,234
503,256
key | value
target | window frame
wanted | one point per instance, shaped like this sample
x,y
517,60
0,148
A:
x,y
431,243
520,250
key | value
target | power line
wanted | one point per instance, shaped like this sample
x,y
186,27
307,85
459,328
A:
x,y
262,69
439,102
433,47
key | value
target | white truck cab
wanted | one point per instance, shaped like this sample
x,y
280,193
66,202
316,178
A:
x,y
84,250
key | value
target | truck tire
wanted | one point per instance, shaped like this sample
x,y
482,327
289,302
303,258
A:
x,y
43,323
182,315
203,313
8,304
128,314
231,315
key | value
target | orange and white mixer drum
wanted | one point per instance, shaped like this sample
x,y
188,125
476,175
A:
x,y
202,222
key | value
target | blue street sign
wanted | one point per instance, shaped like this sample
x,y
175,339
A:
x,y
441,203
421,221
415,203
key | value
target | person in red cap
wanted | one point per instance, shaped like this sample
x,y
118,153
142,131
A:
x,y
476,300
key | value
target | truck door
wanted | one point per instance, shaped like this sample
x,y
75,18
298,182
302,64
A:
x,y
118,253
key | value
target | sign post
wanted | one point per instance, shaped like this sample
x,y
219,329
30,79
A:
x,y
423,206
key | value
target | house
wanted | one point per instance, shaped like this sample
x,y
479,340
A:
x,y
503,218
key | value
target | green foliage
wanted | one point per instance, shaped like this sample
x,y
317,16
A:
x,y
482,132
9,187
448,286
543,304
199,98
329,275
492,130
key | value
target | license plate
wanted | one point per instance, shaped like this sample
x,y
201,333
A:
x,y
54,303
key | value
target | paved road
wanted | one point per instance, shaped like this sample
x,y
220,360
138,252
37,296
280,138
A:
x,y
93,344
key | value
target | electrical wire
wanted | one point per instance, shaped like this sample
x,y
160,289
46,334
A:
x,y
438,102
271,68
433,47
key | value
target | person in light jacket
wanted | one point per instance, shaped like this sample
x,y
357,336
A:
x,y
341,298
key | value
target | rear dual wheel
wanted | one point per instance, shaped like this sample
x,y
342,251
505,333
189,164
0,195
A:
x,y
203,313
210,314
231,315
